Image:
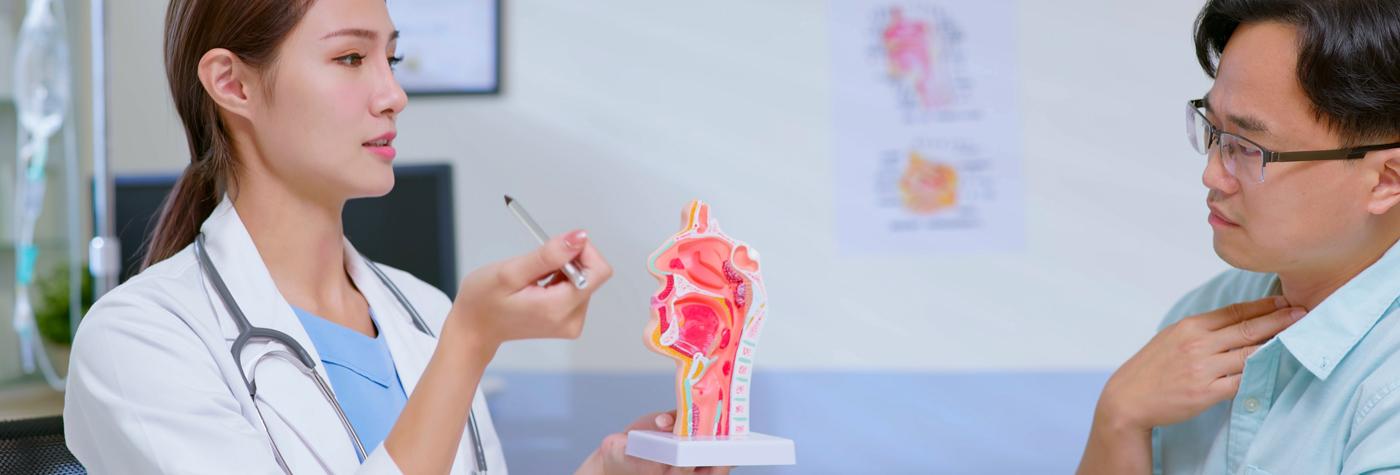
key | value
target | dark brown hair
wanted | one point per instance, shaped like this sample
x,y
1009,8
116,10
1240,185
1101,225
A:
x,y
250,29
1348,60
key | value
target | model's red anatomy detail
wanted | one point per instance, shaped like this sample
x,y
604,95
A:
x,y
709,307
698,325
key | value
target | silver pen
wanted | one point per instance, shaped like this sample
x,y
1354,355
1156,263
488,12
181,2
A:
x,y
571,268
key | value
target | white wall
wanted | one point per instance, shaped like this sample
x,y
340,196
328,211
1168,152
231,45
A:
x,y
616,113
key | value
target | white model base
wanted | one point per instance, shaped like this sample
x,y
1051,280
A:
x,y
750,449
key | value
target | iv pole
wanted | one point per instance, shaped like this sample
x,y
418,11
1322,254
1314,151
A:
x,y
43,100
42,90
104,255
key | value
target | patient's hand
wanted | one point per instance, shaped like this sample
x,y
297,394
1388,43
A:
x,y
1191,365
611,457
1184,370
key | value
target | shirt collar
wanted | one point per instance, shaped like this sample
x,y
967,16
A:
x,y
1328,333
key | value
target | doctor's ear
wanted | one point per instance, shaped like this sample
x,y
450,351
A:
x,y
228,80
1386,194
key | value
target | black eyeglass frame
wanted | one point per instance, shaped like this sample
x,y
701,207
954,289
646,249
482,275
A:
x,y
1270,156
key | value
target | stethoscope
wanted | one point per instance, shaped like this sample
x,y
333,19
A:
x,y
302,359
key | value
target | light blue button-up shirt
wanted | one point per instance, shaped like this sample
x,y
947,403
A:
x,y
362,373
1322,397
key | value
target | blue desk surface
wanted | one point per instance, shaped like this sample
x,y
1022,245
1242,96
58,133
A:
x,y
842,422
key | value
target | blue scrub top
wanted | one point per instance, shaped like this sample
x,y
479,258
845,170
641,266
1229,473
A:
x,y
362,373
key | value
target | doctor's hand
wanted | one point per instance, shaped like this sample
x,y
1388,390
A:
x,y
501,301
611,457
1191,365
495,303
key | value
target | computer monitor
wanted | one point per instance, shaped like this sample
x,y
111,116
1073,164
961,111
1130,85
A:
x,y
411,228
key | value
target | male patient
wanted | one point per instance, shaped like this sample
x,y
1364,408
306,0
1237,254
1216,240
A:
x,y
1289,363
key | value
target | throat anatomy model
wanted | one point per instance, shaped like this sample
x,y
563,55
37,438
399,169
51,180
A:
x,y
707,317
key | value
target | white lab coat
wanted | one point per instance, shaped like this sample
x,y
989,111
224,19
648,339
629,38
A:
x,y
153,387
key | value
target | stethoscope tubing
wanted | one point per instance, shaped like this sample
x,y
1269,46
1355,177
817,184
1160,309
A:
x,y
295,353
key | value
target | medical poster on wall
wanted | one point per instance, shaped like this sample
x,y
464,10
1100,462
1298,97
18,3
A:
x,y
927,126
448,46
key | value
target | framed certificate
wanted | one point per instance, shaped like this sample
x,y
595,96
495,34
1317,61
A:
x,y
448,46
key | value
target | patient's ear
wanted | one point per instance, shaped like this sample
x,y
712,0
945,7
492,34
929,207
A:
x,y
226,78
1386,194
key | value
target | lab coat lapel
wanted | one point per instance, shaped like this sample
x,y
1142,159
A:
x,y
410,348
303,423
237,260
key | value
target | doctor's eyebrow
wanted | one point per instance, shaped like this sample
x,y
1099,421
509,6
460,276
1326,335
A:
x,y
360,33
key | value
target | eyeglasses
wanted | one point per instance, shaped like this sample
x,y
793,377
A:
x,y
1244,159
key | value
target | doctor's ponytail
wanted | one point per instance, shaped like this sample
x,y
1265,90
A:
x,y
251,29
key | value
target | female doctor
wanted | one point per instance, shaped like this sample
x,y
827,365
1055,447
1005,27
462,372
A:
x,y
257,340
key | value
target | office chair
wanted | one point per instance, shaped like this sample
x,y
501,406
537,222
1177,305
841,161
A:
x,y
36,446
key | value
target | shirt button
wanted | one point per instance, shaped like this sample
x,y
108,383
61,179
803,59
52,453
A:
x,y
1251,405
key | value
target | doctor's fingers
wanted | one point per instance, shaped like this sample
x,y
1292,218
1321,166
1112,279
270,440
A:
x,y
559,307
593,263
572,324
663,421
617,462
522,271
594,267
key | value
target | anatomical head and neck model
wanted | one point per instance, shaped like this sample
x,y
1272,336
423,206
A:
x,y
707,317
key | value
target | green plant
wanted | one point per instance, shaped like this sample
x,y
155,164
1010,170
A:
x,y
51,308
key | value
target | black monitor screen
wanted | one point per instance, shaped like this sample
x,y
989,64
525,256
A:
x,y
411,228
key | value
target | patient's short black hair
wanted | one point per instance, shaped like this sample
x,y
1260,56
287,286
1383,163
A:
x,y
1348,61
